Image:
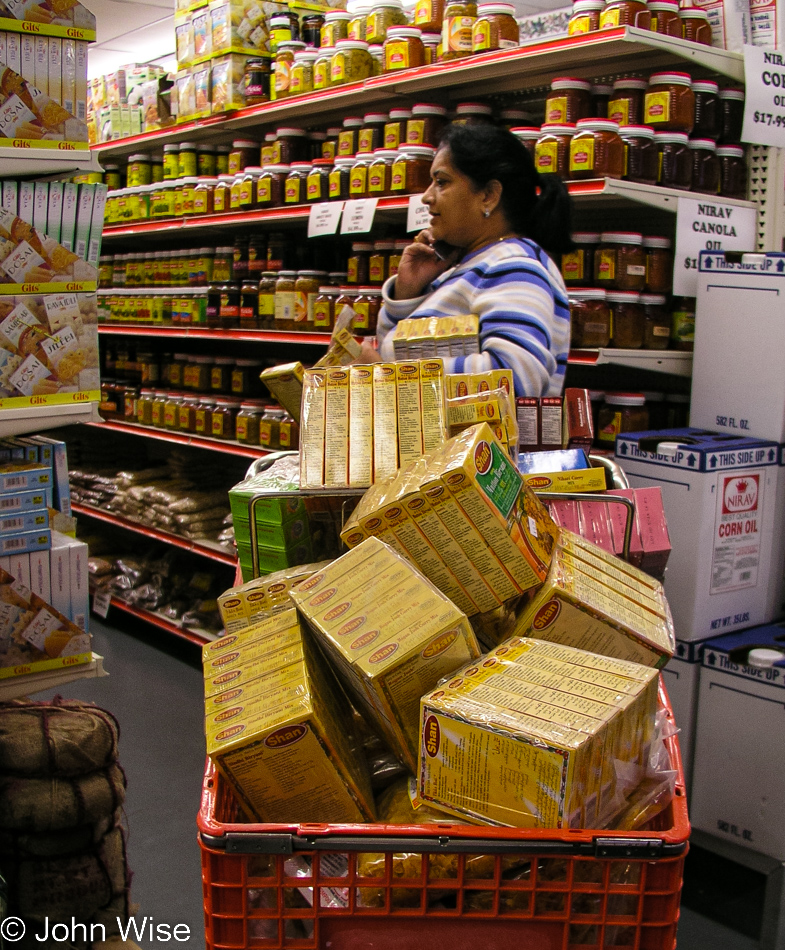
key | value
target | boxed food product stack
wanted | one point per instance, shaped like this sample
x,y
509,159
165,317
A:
x,y
262,597
594,601
563,470
463,515
390,634
555,422
563,716
418,338
278,730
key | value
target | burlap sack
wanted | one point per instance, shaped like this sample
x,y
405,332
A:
x,y
34,805
53,844
61,737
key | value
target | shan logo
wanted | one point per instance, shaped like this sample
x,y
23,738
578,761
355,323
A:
x,y
415,504
432,736
286,736
373,524
440,644
454,684
436,492
277,588
225,678
483,459
220,661
228,696
430,367
354,624
338,611
230,733
384,654
387,371
228,714
539,481
231,604
490,663
392,513
546,615
220,644
455,478
740,494
365,640
354,538
360,373
311,582
338,375
323,596
256,595
407,369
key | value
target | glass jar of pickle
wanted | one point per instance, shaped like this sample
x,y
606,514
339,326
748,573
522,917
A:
x,y
222,194
266,300
186,414
626,319
552,150
291,145
656,322
577,265
229,313
705,167
284,299
290,433
296,182
203,415
395,128
324,309
457,29
339,179
321,68
473,113
707,109
620,262
620,413
695,25
411,170
403,49
675,159
669,104
249,305
348,137
366,307
568,101
330,145
160,399
426,125
683,323
245,378
371,134
641,159
733,171
585,17
590,318
257,81
270,428
336,27
317,184
659,264
221,376
625,13
528,135
625,105
731,116
284,65
378,264
358,265
429,15
247,422
351,62
383,15
271,186
665,17
244,152
223,262
302,78
596,150
223,418
306,290
358,176
171,411
495,28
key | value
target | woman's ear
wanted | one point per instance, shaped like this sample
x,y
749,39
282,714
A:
x,y
492,195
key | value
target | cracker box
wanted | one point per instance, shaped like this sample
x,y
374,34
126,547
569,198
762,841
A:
x,y
285,382
390,633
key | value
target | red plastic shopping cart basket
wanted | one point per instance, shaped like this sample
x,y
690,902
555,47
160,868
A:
x,y
339,887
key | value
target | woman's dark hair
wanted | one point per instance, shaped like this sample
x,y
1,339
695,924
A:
x,y
484,153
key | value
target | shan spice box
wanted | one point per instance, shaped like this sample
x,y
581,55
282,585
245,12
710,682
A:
x,y
389,632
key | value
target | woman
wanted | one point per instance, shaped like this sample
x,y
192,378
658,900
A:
x,y
483,201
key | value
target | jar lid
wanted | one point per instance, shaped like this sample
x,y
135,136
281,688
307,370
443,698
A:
x,y
386,153
526,132
352,122
207,181
419,151
207,250
300,166
296,133
247,362
708,144
658,5
630,82
333,131
188,146
362,246
570,82
670,79
596,125
337,273
220,178
402,244
328,290
625,399
276,168
376,117
252,170
146,392
737,94
280,17
291,44
376,49
671,138
253,404
400,113
344,161
229,401
287,273
376,291
305,55
693,13
621,237
497,9
657,241
623,296
764,658
706,85
172,147
586,293
730,151
472,108
586,237
311,273
202,360
636,131
241,143
558,128
334,16
586,6
141,157
382,4
404,32
384,245
429,38
363,156
221,149
428,108
322,162
351,44
653,300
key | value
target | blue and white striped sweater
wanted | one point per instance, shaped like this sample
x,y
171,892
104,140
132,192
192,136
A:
x,y
520,298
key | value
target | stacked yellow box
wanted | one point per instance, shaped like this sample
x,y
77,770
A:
x,y
529,738
389,633
419,338
594,601
278,730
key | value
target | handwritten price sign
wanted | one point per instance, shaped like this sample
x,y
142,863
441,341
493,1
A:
x,y
764,104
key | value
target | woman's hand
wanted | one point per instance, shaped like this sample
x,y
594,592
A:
x,y
419,266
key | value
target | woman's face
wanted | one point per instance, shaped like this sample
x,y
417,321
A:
x,y
455,204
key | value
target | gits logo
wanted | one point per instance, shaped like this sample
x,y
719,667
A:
x,y
440,644
384,654
546,615
432,736
286,736
230,733
323,596
338,611
483,458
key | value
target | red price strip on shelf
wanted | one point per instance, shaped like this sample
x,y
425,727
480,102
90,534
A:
x,y
764,103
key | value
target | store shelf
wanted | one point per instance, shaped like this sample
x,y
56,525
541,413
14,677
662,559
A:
x,y
203,333
514,70
674,362
27,685
35,418
162,623
194,547
161,435
610,191
25,162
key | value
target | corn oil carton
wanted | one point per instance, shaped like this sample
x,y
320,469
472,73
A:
x,y
390,634
585,606
286,745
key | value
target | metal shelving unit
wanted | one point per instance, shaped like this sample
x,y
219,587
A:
x,y
18,686
674,362
205,333
162,623
196,442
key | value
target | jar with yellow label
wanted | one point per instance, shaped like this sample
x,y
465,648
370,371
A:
x,y
203,195
222,153
222,264
358,176
144,407
495,28
358,22
176,370
366,307
383,15
339,179
302,72
669,105
378,265
160,399
596,150
284,64
585,17
590,318
171,161
429,15
433,47
284,27
411,171
248,187
395,128
457,29
244,152
395,257
568,101
222,198
284,299
247,422
426,124
139,170
403,49
306,290
270,186
527,136
380,173
348,137
266,304
695,25
358,264
221,376
223,418
625,13
290,433
295,186
371,135
317,184
473,113
171,411
187,159
270,428
203,415
577,265
351,62
552,151
321,68
620,261
665,17
186,414
336,27
641,162
323,309
620,413
234,192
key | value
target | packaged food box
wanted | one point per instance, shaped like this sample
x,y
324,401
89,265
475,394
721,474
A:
x,y
273,559
244,605
562,470
227,89
285,382
287,747
390,634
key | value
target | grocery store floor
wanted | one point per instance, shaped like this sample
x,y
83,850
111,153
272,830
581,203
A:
x,y
154,689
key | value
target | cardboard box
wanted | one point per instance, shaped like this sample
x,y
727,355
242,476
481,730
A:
x,y
336,431
55,213
681,678
68,221
40,575
41,79
60,573
13,47
385,421
286,385
410,445
718,495
11,196
19,569
739,735
528,412
79,582
27,71
80,81
84,217
55,67
565,470
26,201
96,224
312,432
360,426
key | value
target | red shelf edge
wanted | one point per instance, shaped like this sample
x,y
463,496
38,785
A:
x,y
193,547
167,625
217,445
203,333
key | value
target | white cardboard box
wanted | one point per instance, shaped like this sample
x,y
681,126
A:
x,y
39,575
738,371
60,573
80,598
737,782
681,677
720,496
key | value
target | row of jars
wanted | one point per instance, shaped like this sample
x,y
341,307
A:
x,y
630,321
615,413
619,260
218,376
666,102
600,148
660,16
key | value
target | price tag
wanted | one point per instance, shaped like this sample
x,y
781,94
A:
x,y
324,217
764,102
707,225
419,216
101,601
358,216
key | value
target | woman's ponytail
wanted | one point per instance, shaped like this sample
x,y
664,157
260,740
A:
x,y
550,221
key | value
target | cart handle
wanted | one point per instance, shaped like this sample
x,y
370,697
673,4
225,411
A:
x,y
586,496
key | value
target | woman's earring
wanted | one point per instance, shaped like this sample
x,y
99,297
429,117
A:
x,y
486,213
